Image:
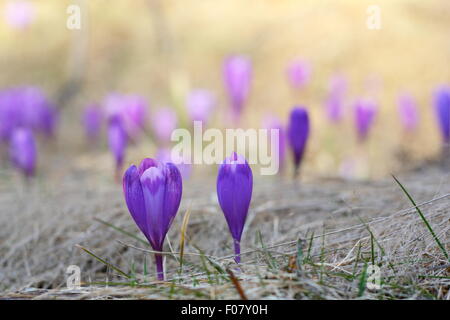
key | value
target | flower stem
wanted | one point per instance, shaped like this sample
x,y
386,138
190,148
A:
x,y
159,266
237,251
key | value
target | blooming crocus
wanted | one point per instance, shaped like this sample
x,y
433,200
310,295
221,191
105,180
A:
x,y
234,191
237,73
442,108
153,194
298,133
164,121
200,104
19,14
298,73
22,150
365,111
92,121
271,122
407,110
117,139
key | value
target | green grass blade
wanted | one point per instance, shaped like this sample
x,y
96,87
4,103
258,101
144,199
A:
x,y
122,231
104,262
423,218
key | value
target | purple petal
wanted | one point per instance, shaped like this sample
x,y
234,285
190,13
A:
x,y
134,198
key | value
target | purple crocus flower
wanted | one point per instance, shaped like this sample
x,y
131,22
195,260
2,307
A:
x,y
298,133
153,194
271,122
92,121
118,141
298,73
164,121
237,73
199,104
23,151
19,14
407,110
234,191
442,107
365,111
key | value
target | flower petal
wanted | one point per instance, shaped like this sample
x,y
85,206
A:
x,y
134,198
153,183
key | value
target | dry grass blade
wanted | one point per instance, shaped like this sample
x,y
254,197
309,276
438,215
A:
x,y
237,285
183,236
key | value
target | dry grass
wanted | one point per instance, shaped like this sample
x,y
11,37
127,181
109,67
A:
x,y
329,220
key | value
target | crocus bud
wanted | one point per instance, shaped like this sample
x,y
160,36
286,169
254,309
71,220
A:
x,y
23,151
298,73
200,104
298,133
117,139
273,123
234,191
19,13
407,111
153,194
164,121
365,111
442,108
92,121
237,73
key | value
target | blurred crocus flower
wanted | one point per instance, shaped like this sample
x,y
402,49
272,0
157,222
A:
x,y
365,112
237,73
184,165
164,121
36,111
153,194
442,107
92,121
19,13
132,109
298,133
28,107
271,122
23,151
407,110
234,191
200,103
335,100
9,114
118,140
298,73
